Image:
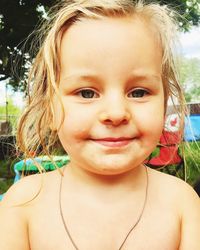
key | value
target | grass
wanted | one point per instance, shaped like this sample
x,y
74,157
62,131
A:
x,y
6,174
5,184
192,156
190,169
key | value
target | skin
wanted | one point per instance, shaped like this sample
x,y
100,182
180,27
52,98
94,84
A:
x,y
126,92
108,136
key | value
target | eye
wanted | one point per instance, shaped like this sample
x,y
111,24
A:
x,y
138,93
87,93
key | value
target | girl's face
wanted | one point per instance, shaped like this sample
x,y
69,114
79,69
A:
x,y
112,93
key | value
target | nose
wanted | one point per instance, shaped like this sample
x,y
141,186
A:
x,y
116,112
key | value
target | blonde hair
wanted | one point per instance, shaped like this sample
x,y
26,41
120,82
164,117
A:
x,y
35,132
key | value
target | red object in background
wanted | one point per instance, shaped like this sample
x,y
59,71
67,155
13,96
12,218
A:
x,y
168,150
170,138
174,122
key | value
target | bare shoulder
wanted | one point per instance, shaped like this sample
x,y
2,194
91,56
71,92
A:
x,y
29,187
177,190
186,201
15,210
13,214
171,183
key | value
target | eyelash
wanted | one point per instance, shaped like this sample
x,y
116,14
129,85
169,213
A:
x,y
139,93
87,91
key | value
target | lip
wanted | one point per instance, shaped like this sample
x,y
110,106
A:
x,y
113,142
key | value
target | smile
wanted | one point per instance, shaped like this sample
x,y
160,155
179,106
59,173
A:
x,y
113,142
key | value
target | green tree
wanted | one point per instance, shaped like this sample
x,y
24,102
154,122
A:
x,y
190,78
18,18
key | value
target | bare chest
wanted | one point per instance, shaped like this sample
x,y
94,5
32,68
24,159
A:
x,y
157,229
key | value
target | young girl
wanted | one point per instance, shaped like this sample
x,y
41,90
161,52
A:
x,y
101,82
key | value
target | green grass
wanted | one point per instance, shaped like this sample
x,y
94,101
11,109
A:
x,y
192,162
6,174
5,184
190,169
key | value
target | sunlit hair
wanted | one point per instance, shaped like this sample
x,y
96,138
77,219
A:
x,y
35,130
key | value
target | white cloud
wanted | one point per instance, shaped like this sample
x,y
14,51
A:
x,y
190,42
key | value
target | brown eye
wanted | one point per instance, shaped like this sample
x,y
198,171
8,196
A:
x,y
138,93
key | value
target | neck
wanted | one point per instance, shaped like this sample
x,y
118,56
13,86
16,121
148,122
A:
x,y
109,186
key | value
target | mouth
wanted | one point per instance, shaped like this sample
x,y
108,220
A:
x,y
113,142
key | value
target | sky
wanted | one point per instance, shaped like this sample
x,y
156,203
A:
x,y
190,47
190,42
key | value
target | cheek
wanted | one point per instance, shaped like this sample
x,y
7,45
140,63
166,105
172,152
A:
x,y
151,122
76,126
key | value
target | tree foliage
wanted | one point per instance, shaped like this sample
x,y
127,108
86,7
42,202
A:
x,y
18,18
190,78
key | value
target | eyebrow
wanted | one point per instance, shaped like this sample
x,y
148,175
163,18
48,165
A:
x,y
145,76
91,77
85,77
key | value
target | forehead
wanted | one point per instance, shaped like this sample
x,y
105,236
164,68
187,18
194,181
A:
x,y
109,28
111,45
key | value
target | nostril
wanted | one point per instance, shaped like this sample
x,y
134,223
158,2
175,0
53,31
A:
x,y
115,119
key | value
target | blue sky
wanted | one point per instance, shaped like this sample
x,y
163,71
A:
x,y
190,47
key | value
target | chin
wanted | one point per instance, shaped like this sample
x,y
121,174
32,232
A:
x,y
111,169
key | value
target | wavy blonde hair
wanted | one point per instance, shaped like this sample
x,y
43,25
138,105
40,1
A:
x,y
35,133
